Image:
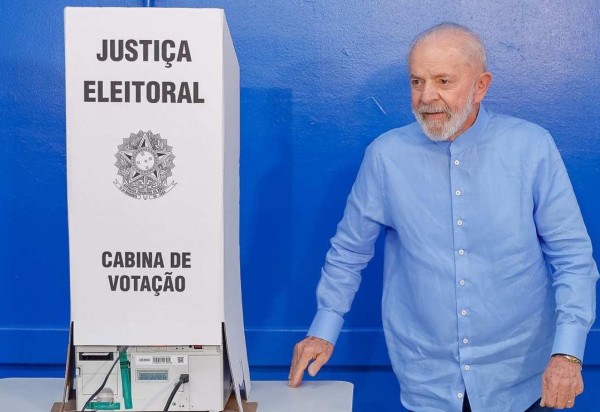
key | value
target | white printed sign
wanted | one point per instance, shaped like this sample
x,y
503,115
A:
x,y
150,167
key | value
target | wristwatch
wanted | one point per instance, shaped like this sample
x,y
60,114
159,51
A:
x,y
570,358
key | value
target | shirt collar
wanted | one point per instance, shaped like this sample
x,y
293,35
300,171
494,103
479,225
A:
x,y
473,134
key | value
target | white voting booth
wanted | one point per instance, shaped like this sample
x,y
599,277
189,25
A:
x,y
152,100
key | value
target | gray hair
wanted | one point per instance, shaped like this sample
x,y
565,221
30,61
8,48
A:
x,y
472,46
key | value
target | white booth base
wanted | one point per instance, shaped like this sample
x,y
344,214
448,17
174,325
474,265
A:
x,y
38,395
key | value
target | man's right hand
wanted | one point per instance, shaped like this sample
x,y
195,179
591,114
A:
x,y
309,349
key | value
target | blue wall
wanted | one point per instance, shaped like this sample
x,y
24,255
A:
x,y
320,80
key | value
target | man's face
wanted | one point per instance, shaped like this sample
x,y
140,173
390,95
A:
x,y
444,88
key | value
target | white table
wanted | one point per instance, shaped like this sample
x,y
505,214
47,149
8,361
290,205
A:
x,y
38,395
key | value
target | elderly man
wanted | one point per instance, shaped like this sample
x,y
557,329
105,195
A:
x,y
489,280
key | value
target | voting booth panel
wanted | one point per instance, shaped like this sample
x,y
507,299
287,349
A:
x,y
152,101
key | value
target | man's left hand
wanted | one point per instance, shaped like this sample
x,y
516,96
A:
x,y
561,383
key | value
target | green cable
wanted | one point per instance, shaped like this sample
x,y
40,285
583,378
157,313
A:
x,y
105,406
125,379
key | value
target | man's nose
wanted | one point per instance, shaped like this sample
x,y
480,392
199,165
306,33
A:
x,y
429,94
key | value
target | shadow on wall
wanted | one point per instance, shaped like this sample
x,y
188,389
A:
x,y
265,201
276,154
293,194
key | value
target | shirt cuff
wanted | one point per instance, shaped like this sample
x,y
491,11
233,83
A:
x,y
570,340
326,325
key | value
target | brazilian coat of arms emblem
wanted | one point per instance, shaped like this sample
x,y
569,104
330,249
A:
x,y
145,162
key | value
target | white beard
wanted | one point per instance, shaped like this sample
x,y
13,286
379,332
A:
x,y
444,130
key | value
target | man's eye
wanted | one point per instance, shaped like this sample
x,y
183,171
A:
x,y
444,81
415,82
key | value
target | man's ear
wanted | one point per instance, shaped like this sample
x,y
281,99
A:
x,y
482,86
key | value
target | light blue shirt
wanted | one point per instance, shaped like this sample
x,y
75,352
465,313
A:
x,y
488,266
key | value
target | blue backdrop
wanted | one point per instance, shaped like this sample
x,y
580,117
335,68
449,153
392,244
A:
x,y
320,80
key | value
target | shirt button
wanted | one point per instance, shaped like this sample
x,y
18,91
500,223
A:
x,y
463,312
456,162
461,252
461,282
465,341
467,367
458,193
459,222
459,395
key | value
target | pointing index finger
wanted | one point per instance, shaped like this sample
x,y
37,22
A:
x,y
302,360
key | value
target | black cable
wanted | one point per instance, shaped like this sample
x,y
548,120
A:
x,y
105,380
183,378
